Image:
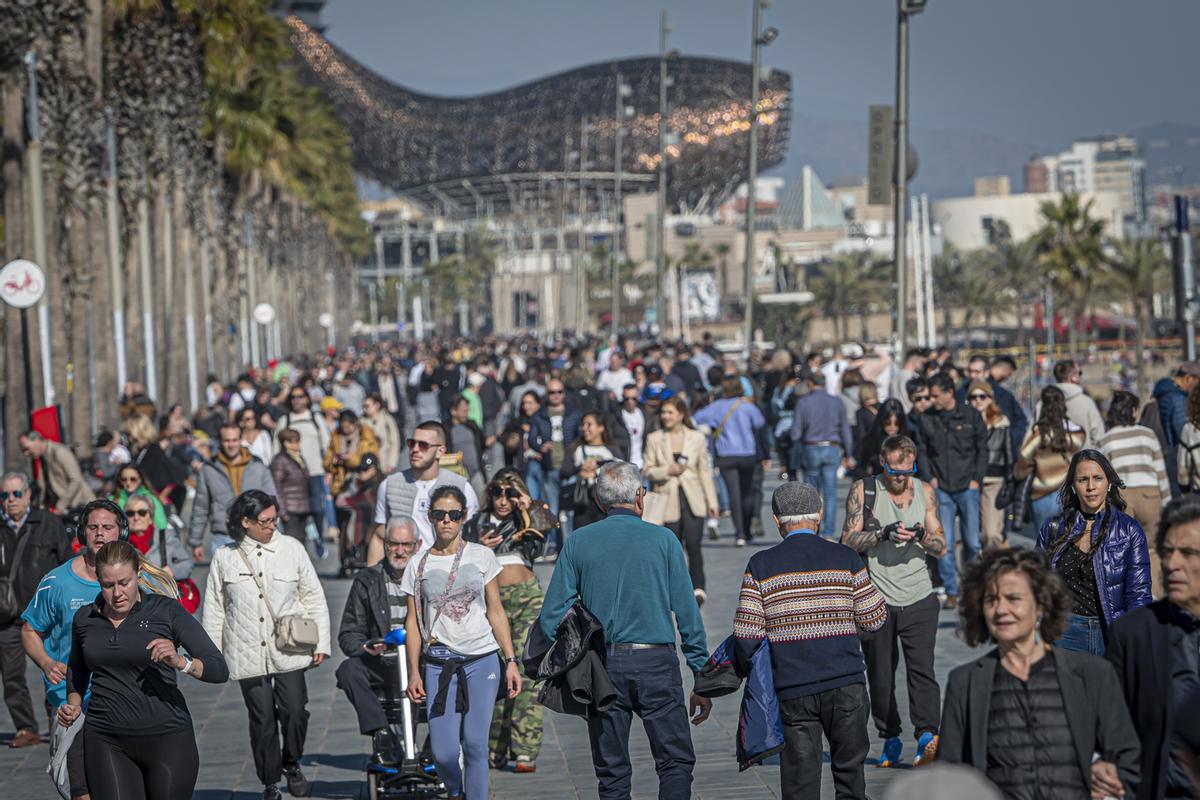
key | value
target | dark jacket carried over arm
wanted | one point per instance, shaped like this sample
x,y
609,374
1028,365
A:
x,y
572,665
760,730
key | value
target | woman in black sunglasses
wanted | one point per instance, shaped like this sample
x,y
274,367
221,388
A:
x,y
515,526
457,622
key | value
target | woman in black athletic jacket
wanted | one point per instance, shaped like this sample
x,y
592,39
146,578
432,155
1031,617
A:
x,y
137,732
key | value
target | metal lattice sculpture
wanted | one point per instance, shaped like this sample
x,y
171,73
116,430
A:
x,y
451,147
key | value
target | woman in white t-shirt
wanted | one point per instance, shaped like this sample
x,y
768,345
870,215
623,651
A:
x,y
456,620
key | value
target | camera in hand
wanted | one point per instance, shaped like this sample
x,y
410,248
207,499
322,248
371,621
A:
x,y
680,458
890,532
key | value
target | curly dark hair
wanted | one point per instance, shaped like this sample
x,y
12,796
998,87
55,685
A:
x,y
1049,592
1052,422
248,505
1193,406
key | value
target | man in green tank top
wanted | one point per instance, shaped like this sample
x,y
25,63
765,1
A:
x,y
893,521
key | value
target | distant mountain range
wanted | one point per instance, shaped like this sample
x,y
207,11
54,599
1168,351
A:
x,y
949,161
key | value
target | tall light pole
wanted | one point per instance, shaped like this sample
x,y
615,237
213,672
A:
x,y
623,90
660,265
758,40
904,9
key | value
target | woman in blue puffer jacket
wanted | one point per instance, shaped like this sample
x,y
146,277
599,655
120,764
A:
x,y
1098,550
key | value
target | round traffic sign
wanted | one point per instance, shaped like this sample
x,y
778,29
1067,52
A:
x,y
325,320
22,283
264,313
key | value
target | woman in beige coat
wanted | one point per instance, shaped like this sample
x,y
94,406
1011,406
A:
x,y
677,465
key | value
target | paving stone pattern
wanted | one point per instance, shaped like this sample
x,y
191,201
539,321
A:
x,y
336,753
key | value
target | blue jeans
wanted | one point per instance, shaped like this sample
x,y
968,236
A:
x,y
821,464
318,492
648,684
450,730
218,540
545,484
965,504
1045,509
1083,635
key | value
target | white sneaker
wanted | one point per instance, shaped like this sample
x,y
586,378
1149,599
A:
x,y
740,542
700,596
714,529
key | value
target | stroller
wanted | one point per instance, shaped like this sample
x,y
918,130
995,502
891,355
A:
x,y
414,775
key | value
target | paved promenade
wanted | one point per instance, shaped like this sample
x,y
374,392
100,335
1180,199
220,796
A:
x,y
336,754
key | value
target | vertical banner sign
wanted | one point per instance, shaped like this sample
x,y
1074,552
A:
x,y
879,156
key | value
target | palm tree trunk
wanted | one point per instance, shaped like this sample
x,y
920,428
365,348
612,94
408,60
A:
x,y
16,243
1139,356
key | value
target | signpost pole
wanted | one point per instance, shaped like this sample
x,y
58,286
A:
x,y
28,363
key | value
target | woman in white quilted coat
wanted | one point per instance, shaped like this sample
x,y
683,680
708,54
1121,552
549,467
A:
x,y
241,621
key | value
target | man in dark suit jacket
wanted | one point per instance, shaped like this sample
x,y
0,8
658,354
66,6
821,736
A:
x,y
1156,651
374,608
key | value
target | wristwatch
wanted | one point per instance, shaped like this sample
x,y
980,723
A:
x,y
510,659
187,664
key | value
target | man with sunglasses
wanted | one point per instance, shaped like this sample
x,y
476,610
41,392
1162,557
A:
x,y
406,493
375,608
32,542
892,520
551,431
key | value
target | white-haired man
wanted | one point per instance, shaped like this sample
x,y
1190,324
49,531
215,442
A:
x,y
632,576
816,660
375,608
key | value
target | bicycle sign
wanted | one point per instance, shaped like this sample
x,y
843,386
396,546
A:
x,y
22,283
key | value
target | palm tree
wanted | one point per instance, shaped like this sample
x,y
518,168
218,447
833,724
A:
x,y
948,278
1137,269
1070,249
846,285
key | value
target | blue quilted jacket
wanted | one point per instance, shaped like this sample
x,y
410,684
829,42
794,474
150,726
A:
x,y
760,731
1121,563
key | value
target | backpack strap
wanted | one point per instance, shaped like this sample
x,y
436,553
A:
x,y
869,486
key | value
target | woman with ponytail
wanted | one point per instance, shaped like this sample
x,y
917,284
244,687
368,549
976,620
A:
x,y
125,649
1098,550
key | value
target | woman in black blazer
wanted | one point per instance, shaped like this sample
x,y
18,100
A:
x,y
1029,715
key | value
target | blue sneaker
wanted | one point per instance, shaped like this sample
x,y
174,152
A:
x,y
892,747
927,744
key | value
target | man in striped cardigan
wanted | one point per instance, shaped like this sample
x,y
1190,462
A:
x,y
809,598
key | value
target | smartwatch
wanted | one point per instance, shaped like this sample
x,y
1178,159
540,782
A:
x,y
187,664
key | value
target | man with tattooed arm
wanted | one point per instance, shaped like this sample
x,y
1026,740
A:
x,y
892,520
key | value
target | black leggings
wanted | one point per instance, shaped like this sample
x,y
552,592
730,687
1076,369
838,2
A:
x,y
162,767
738,472
690,530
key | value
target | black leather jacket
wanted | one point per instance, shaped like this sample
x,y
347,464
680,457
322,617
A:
x,y
529,545
48,546
572,666
367,614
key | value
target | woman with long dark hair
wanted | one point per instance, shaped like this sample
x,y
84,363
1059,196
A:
x,y
890,421
1046,452
1098,550
593,448
514,526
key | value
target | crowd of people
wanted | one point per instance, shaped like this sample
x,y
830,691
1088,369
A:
x,y
440,474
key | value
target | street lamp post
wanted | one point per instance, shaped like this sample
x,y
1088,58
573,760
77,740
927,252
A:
x,y
621,112
758,39
660,264
905,9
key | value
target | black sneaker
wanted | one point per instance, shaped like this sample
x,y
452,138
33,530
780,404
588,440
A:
x,y
297,783
383,742
272,793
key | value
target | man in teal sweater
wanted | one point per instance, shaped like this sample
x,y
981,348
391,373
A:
x,y
633,577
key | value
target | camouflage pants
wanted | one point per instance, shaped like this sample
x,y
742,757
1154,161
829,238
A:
x,y
517,723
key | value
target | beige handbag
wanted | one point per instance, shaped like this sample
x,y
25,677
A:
x,y
295,634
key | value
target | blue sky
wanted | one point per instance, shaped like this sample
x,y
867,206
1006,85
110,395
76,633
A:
x,y
1040,71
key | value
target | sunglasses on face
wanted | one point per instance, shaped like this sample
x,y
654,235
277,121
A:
x,y
17,493
417,444
975,397
555,391
893,471
454,514
130,479
921,398
499,491
138,512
